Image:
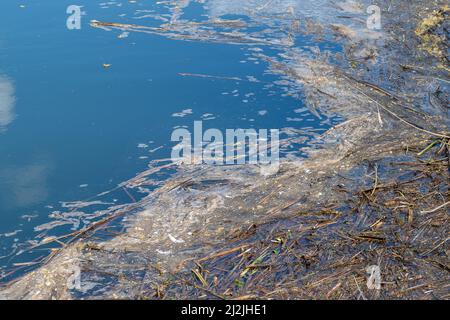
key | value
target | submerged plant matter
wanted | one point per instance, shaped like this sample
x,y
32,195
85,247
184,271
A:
x,y
372,191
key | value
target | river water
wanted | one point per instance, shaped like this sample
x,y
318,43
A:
x,y
82,110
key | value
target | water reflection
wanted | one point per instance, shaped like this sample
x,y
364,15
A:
x,y
7,102
23,186
250,7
